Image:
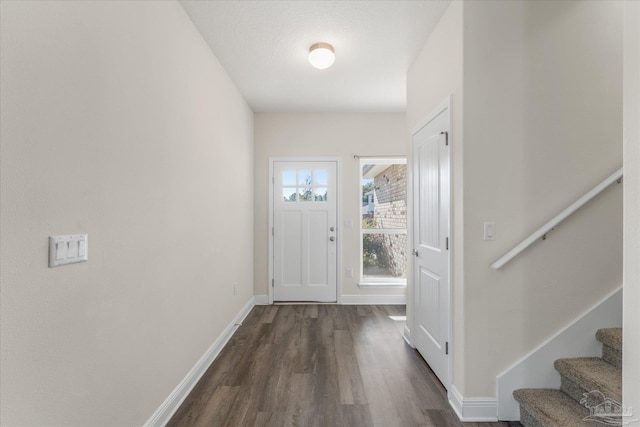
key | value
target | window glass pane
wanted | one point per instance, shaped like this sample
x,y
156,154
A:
x,y
384,256
367,200
289,194
304,177
369,222
304,194
320,177
384,196
289,177
320,194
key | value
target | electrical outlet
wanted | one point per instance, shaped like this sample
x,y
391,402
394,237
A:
x,y
349,272
235,289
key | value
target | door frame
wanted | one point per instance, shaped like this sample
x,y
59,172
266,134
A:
x,y
444,107
339,234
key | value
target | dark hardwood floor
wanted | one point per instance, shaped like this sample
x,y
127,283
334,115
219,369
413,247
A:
x,y
319,365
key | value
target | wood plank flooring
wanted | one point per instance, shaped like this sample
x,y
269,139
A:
x,y
319,366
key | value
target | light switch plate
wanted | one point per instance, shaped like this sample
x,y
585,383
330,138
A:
x,y
489,231
68,249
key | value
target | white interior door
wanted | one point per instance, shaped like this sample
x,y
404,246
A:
x,y
304,231
431,247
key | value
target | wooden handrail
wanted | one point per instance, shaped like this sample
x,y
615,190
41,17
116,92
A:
x,y
542,231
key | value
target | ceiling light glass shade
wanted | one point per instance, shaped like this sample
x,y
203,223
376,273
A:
x,y
321,55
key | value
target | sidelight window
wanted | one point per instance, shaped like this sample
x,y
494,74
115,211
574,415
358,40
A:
x,y
383,224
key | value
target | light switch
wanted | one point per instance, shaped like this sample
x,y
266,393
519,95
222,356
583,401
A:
x,y
67,249
72,249
489,231
61,250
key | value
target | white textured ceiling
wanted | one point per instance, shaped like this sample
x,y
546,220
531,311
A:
x,y
263,45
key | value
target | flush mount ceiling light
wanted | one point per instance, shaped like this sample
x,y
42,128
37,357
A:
x,y
321,55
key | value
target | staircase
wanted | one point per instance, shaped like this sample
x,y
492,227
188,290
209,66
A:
x,y
585,382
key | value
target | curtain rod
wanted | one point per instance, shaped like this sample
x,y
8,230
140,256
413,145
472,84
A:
x,y
357,156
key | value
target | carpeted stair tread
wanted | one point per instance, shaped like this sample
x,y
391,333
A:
x,y
551,408
611,337
592,373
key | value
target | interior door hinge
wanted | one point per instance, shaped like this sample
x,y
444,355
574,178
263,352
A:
x,y
273,283
447,243
446,348
446,137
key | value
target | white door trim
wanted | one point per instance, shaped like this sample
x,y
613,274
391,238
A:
x,y
338,161
445,105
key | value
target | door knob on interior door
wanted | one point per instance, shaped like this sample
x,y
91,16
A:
x,y
332,238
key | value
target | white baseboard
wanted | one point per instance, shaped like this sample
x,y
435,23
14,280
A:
x,y
353,299
473,409
261,299
535,370
163,414
374,299
407,336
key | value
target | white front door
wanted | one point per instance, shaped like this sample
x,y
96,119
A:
x,y
431,247
304,231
